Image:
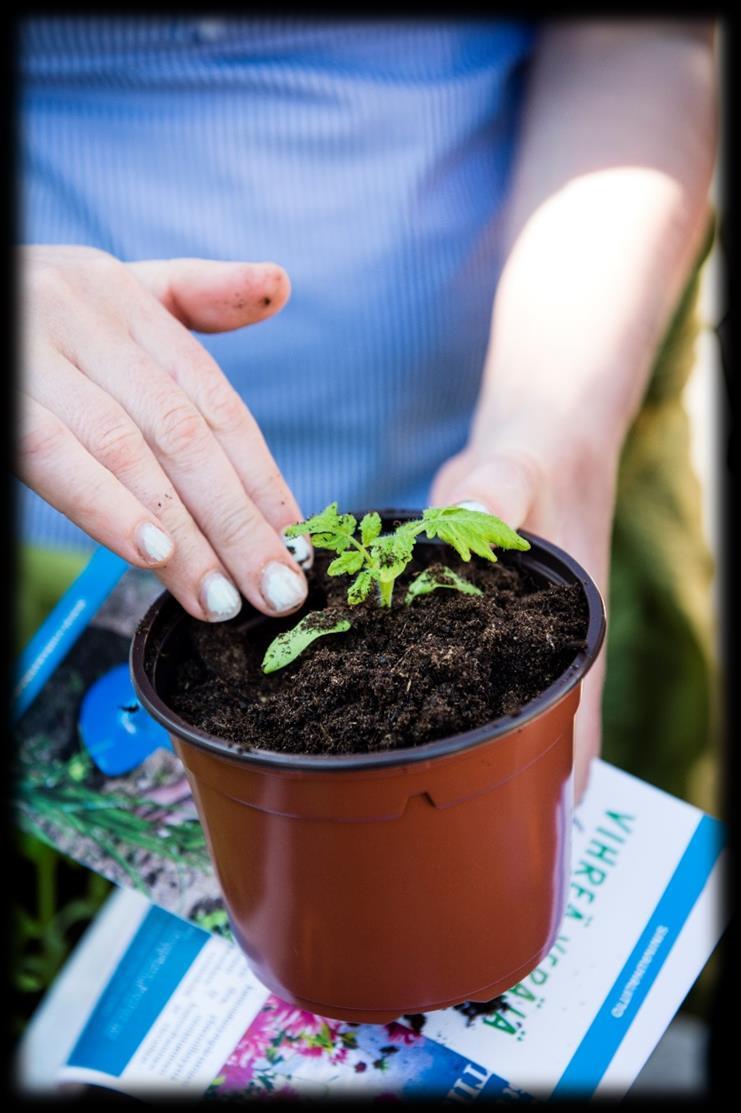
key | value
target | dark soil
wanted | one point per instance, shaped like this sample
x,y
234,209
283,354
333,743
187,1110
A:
x,y
472,1010
403,676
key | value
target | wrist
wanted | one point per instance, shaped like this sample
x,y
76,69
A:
x,y
562,452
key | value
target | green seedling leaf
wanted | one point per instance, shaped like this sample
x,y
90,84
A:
x,y
370,527
360,588
431,580
346,563
287,646
392,553
328,529
470,531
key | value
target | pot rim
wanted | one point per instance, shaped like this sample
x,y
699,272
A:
x,y
556,560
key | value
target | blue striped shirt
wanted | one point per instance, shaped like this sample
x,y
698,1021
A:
x,y
371,159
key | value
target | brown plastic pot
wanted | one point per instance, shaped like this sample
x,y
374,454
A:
x,y
365,886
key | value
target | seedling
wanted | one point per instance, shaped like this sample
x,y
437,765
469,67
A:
x,y
433,578
380,558
286,647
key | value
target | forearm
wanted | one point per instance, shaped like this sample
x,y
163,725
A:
x,y
608,211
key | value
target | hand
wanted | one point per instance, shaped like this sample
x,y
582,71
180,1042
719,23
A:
x,y
567,499
129,427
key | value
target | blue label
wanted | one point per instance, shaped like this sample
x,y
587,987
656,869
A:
x,y
155,962
61,629
595,1052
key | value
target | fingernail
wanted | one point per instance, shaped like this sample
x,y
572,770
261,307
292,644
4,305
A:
x,y
282,589
300,549
471,505
152,543
219,597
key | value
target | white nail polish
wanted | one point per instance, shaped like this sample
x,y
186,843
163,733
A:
x,y
220,598
152,543
471,505
282,589
301,550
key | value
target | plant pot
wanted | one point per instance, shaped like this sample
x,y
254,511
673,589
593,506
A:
x,y
365,886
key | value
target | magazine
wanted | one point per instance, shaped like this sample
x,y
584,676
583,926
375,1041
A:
x,y
157,997
96,777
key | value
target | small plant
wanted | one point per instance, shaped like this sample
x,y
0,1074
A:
x,y
433,578
286,647
377,558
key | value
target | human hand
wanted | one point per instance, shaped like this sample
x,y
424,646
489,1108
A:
x,y
562,495
130,428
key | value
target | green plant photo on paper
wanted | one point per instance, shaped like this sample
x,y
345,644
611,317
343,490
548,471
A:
x,y
377,559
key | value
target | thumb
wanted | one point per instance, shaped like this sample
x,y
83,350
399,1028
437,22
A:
x,y
505,485
213,296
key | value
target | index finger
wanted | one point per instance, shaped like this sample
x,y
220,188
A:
x,y
200,377
211,295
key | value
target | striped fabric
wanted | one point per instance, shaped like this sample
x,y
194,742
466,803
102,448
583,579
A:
x,y
371,159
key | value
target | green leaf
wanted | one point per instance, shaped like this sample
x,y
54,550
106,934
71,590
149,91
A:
x,y
287,647
431,580
392,553
470,531
30,983
346,563
360,587
370,527
216,918
328,529
79,766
